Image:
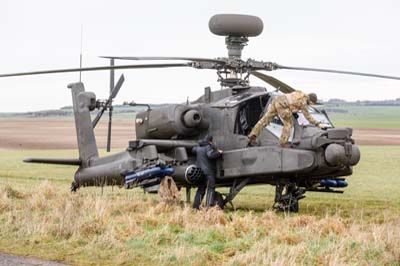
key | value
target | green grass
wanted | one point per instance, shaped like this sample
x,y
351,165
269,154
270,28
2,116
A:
x,y
13,170
366,116
126,227
375,178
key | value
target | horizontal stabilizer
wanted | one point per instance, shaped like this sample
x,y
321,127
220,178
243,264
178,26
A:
x,y
54,161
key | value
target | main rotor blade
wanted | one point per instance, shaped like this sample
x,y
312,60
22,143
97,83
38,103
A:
x,y
279,85
164,58
95,69
336,72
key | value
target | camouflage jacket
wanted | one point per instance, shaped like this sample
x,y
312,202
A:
x,y
297,101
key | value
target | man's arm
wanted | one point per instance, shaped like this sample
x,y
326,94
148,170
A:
x,y
212,153
309,117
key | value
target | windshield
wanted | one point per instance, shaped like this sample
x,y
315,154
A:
x,y
319,116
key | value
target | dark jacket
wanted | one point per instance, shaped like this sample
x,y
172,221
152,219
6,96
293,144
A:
x,y
206,156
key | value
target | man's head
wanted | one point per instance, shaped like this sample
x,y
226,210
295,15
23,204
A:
x,y
312,98
208,138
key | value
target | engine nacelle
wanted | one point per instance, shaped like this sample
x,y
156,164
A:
x,y
170,121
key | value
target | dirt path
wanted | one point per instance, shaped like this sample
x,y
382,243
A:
x,y
377,136
7,260
59,133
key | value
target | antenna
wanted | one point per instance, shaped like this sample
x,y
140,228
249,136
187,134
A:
x,y
80,56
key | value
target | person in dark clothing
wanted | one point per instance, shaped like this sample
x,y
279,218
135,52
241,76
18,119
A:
x,y
207,154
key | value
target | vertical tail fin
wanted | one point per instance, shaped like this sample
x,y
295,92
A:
x,y
84,102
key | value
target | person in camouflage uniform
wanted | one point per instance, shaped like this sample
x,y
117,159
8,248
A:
x,y
284,106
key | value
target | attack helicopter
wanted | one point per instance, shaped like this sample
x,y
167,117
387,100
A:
x,y
319,160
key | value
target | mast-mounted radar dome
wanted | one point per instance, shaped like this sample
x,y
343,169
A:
x,y
236,25
236,28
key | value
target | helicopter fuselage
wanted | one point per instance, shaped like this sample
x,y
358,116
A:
x,y
166,135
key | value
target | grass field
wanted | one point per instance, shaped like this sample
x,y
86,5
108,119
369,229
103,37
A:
x,y
367,116
350,116
39,217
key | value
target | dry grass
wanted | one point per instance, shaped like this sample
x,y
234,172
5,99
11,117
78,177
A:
x,y
40,218
118,228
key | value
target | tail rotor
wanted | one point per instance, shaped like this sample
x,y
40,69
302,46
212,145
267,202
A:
x,y
114,89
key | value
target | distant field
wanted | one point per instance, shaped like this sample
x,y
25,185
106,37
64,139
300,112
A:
x,y
39,217
372,126
366,116
341,114
59,133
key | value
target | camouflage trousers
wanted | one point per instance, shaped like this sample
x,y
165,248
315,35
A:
x,y
279,107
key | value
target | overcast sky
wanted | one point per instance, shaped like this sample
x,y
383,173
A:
x,y
351,35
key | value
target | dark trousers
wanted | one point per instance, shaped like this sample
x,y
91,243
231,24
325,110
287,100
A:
x,y
201,191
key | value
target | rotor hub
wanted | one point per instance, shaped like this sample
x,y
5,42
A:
x,y
235,46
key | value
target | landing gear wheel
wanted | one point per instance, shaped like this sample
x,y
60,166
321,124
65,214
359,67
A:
x,y
289,201
287,204
219,200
